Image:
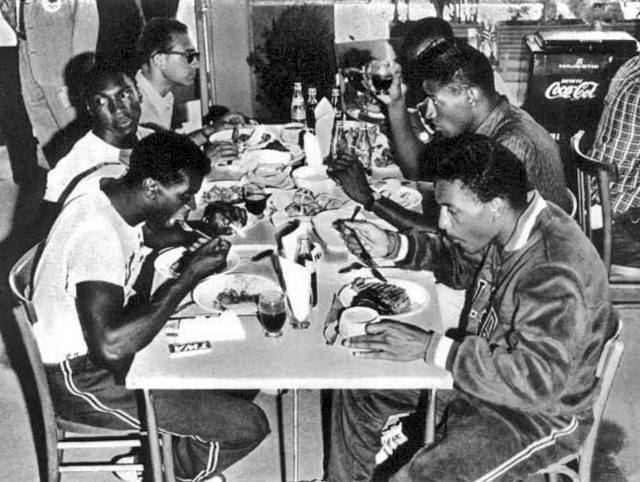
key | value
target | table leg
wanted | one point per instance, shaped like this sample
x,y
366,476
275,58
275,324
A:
x,y
430,422
295,435
152,434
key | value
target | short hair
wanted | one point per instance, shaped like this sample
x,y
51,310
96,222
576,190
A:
x,y
485,167
455,65
166,157
98,77
424,34
157,36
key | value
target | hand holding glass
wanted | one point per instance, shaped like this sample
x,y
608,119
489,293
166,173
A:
x,y
272,312
379,75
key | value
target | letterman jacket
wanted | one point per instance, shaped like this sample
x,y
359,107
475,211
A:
x,y
537,317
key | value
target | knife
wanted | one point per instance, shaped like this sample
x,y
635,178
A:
x,y
366,258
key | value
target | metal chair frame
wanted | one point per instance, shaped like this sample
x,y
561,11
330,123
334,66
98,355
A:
x,y
606,373
60,435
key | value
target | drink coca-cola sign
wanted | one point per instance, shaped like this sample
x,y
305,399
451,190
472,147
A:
x,y
572,89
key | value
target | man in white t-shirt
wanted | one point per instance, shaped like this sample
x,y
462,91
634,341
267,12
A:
x,y
113,101
91,321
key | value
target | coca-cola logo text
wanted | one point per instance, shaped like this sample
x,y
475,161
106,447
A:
x,y
561,89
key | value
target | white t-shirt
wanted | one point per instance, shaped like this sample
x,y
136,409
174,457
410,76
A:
x,y
88,152
156,109
89,241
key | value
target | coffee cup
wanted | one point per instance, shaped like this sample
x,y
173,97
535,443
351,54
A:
x,y
290,133
353,321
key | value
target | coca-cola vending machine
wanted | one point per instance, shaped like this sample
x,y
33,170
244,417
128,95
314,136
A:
x,y
569,75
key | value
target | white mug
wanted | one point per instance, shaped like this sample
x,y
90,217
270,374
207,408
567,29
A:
x,y
290,133
353,321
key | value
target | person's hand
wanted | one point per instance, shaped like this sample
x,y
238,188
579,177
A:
x,y
374,239
350,174
205,257
221,153
219,217
391,340
397,90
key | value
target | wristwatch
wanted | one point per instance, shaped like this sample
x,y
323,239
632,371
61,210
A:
x,y
375,196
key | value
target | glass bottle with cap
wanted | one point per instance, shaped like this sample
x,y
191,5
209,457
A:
x,y
298,113
310,108
363,148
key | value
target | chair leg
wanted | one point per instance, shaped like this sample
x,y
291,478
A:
x,y
167,458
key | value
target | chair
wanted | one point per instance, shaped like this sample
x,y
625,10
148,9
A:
x,y
624,281
58,434
606,373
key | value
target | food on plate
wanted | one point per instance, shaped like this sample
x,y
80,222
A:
x,y
299,209
230,194
303,196
232,296
306,203
385,298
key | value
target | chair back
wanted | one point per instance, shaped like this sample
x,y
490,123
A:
x,y
606,373
21,279
594,176
33,380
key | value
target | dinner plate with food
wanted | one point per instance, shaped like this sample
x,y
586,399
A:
x,y
397,298
238,292
170,261
405,196
259,144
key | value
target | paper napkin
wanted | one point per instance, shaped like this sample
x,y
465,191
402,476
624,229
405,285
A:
x,y
223,327
312,150
324,125
298,281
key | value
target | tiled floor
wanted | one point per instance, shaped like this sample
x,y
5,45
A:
x,y
618,458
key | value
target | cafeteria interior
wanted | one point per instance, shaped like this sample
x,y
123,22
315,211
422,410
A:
x,y
617,456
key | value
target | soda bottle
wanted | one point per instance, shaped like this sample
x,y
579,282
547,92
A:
x,y
336,103
304,258
363,148
339,141
298,113
312,102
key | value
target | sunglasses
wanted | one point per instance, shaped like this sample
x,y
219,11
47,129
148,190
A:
x,y
190,56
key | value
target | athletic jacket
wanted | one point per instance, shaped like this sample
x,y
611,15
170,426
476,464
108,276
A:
x,y
537,316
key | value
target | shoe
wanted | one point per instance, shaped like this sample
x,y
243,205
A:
x,y
127,475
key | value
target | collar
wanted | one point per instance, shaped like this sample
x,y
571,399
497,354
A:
x,y
150,91
488,126
526,221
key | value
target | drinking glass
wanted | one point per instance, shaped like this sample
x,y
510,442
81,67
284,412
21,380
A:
x,y
255,199
272,312
379,75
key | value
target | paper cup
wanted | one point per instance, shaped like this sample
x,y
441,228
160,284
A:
x,y
290,133
354,320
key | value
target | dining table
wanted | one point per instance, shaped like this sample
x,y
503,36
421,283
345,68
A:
x,y
299,358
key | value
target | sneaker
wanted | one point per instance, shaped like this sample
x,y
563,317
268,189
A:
x,y
127,475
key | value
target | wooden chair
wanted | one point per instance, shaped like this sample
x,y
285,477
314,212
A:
x,y
597,223
606,373
54,435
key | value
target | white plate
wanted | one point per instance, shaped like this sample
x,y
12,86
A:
x,y
405,196
418,296
168,256
297,154
206,292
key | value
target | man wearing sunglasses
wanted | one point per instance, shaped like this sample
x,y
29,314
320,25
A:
x,y
170,60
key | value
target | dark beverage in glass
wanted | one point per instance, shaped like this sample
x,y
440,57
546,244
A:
x,y
272,312
256,203
381,84
273,322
